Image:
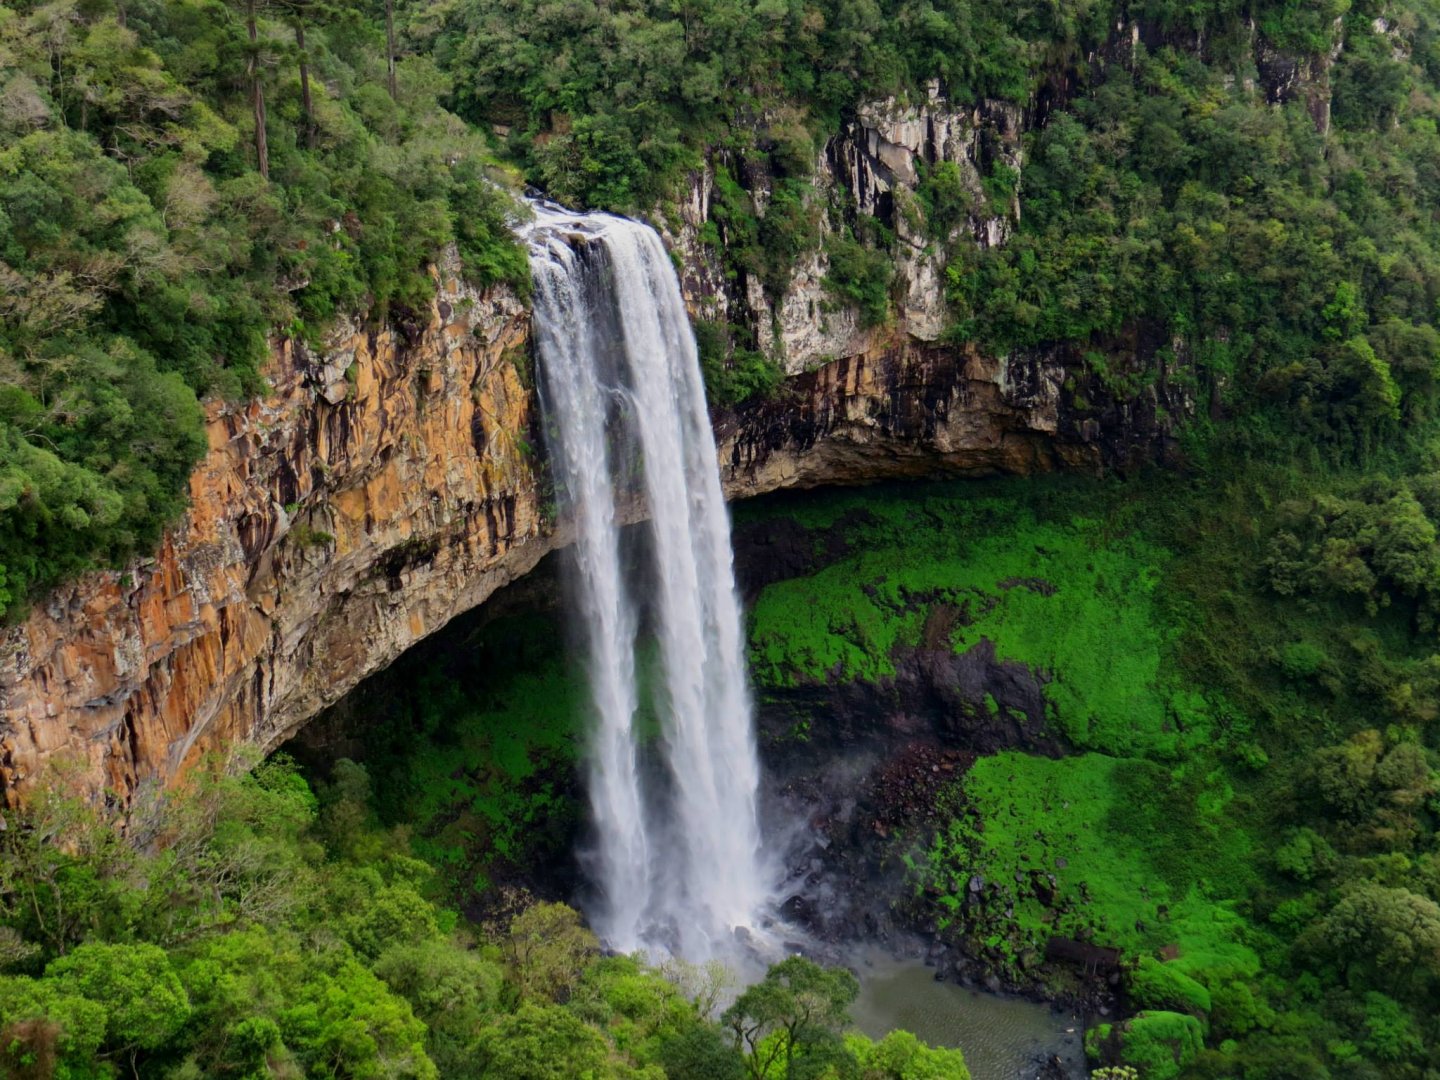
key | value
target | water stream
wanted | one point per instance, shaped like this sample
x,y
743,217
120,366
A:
x,y
1002,1037
677,862
677,857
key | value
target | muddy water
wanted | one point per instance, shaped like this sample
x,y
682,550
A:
x,y
1003,1038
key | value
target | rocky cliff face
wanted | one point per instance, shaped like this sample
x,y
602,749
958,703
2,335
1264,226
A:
x,y
391,480
872,169
382,487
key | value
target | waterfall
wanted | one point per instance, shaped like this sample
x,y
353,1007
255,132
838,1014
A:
x,y
677,860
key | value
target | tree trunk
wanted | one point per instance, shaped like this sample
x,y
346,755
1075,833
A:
x,y
257,93
305,103
390,47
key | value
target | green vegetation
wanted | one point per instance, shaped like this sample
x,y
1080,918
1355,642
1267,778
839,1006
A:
x,y
790,1025
733,372
607,106
473,748
1241,661
1288,255
184,179
1071,597
1299,284
150,243
1245,673
1158,1044
277,932
859,276
1116,850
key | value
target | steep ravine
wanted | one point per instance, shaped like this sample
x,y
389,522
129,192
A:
x,y
391,480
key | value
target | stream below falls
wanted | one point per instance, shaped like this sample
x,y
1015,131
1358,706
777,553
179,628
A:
x,y
1002,1037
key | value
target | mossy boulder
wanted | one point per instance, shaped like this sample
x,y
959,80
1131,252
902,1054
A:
x,y
1154,984
1157,1043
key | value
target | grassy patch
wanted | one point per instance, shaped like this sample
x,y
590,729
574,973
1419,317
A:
x,y
1119,851
1070,595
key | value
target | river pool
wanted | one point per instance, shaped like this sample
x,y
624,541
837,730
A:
x,y
1003,1038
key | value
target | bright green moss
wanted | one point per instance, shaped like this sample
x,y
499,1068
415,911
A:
x,y
1132,867
1070,595
1156,985
1158,1044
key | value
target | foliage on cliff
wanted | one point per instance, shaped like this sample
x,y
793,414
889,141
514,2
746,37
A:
x,y
271,931
606,103
182,177
1254,184
145,259
1295,271
473,739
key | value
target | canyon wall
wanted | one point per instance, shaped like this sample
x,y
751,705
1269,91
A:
x,y
872,169
385,484
393,478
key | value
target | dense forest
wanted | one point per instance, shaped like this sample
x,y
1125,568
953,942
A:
x,y
1250,704
278,932
151,244
184,180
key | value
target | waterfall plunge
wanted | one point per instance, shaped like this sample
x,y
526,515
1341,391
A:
x,y
677,862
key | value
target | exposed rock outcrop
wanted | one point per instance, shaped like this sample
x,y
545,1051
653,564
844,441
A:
x,y
391,480
376,492
916,410
872,169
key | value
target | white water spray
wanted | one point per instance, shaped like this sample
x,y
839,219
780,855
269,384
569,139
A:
x,y
678,863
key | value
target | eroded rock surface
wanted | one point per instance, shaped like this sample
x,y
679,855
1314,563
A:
x,y
380,489
394,478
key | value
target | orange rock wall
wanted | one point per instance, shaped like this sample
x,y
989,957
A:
x,y
388,483
382,488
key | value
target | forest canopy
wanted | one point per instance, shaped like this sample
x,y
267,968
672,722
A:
x,y
280,931
181,180
150,245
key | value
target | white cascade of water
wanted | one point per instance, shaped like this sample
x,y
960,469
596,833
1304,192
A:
x,y
677,863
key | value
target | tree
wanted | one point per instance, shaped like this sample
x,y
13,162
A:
x,y
41,1024
144,1002
63,873
390,49
1389,935
250,11
901,1056
453,990
703,985
543,1042
1344,775
701,1053
548,949
299,12
797,1005
349,1023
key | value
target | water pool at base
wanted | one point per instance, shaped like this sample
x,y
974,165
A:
x,y
1003,1038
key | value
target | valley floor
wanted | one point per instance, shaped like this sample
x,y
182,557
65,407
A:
x,y
1082,734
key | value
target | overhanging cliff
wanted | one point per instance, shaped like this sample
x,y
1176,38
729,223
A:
x,y
393,479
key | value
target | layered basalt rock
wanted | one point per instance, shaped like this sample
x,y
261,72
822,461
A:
x,y
384,485
915,410
394,478
392,484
